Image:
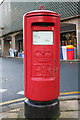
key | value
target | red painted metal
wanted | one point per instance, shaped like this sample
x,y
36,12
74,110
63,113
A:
x,y
41,7
41,62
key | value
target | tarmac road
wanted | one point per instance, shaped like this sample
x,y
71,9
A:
x,y
12,78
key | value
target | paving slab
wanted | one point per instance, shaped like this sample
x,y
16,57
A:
x,y
17,110
0,115
9,115
69,114
21,113
69,105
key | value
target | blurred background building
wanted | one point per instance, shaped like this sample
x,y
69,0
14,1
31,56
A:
x,y
11,23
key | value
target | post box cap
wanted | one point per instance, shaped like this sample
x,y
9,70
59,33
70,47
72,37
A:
x,y
42,12
69,46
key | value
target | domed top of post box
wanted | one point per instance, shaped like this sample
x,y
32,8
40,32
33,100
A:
x,y
42,13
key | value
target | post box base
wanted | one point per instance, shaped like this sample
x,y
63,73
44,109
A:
x,y
43,110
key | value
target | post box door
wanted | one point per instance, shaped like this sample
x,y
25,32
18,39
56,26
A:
x,y
43,52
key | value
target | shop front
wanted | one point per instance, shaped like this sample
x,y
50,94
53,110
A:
x,y
68,37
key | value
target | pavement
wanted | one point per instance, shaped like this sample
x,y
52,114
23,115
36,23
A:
x,y
69,108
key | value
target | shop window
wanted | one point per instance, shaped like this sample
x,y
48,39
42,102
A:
x,y
68,39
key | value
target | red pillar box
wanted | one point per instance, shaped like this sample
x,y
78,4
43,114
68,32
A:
x,y
70,52
41,64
